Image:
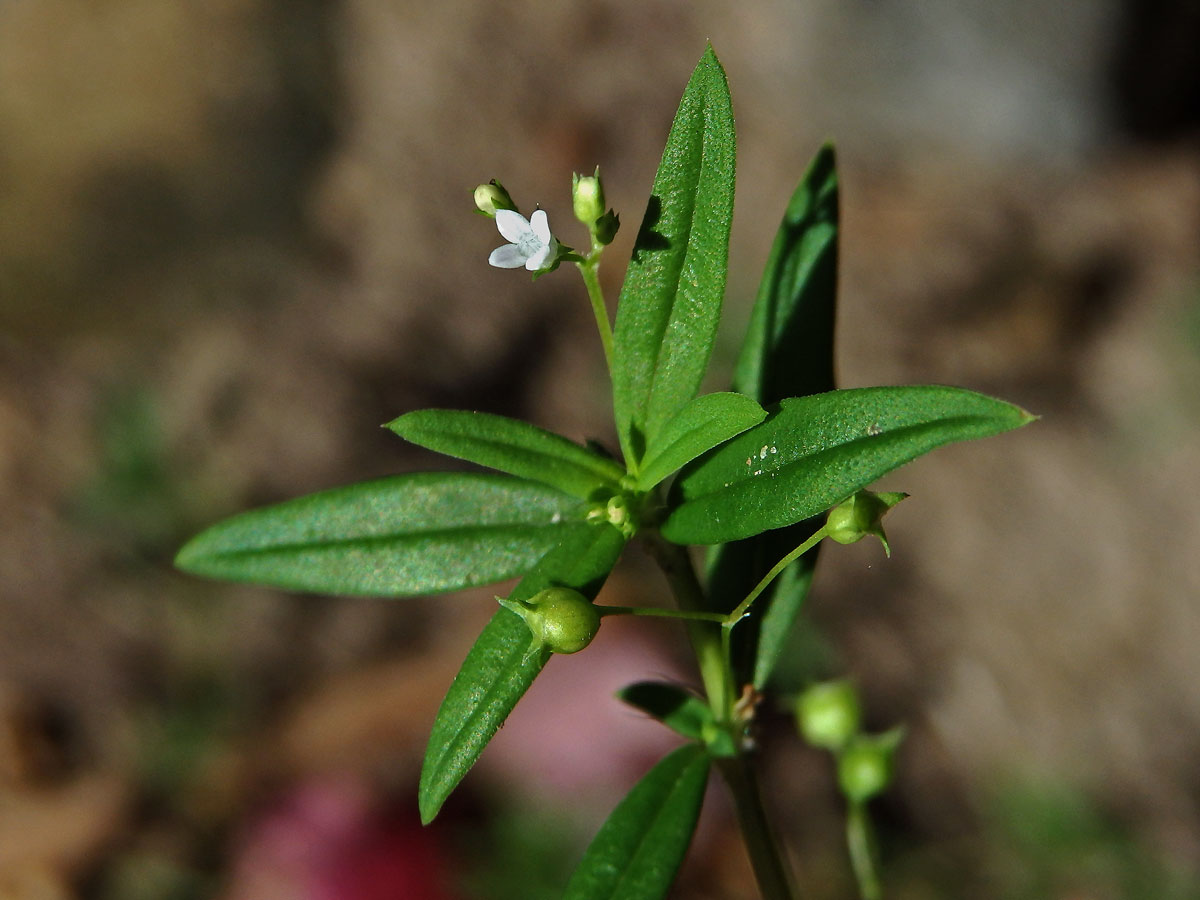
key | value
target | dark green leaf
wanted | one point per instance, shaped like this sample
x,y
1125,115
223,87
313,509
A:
x,y
670,303
639,849
405,535
676,708
779,614
816,451
735,568
702,424
787,352
499,669
788,348
511,446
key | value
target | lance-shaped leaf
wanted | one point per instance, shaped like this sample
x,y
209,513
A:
x,y
703,423
670,302
638,850
405,535
788,348
787,352
816,451
781,609
680,710
499,668
511,446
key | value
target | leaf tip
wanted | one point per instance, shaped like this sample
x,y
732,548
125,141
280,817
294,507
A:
x,y
428,804
396,425
189,555
710,60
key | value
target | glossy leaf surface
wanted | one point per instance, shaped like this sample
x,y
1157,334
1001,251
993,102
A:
x,y
640,847
399,536
511,446
670,303
816,451
499,668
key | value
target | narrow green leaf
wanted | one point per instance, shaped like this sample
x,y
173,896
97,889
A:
x,y
782,608
511,446
406,535
787,352
638,850
816,451
670,303
499,669
679,710
788,348
703,423
735,568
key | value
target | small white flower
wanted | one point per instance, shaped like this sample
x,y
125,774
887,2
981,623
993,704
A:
x,y
530,242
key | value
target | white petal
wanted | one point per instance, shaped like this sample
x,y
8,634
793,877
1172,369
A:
x,y
507,257
540,225
512,225
543,257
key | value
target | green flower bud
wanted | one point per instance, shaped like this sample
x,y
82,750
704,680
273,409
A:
x,y
560,619
828,714
491,197
587,197
867,765
618,512
861,515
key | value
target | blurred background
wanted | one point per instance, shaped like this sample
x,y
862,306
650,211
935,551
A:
x,y
237,236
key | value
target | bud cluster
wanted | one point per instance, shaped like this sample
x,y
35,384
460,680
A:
x,y
829,716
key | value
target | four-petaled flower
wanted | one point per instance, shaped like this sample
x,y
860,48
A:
x,y
530,242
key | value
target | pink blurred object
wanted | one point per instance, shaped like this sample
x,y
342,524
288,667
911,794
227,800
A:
x,y
326,841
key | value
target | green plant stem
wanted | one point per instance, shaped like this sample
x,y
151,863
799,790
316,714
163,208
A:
x,y
771,869
742,608
660,613
590,269
861,844
711,645
706,637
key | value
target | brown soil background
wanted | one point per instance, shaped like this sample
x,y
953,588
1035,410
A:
x,y
235,237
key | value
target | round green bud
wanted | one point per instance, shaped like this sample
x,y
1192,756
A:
x,y
491,197
867,765
853,519
560,619
829,714
587,198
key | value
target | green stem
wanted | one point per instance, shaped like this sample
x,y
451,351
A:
x,y
771,869
742,608
590,269
705,636
660,613
711,645
861,844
